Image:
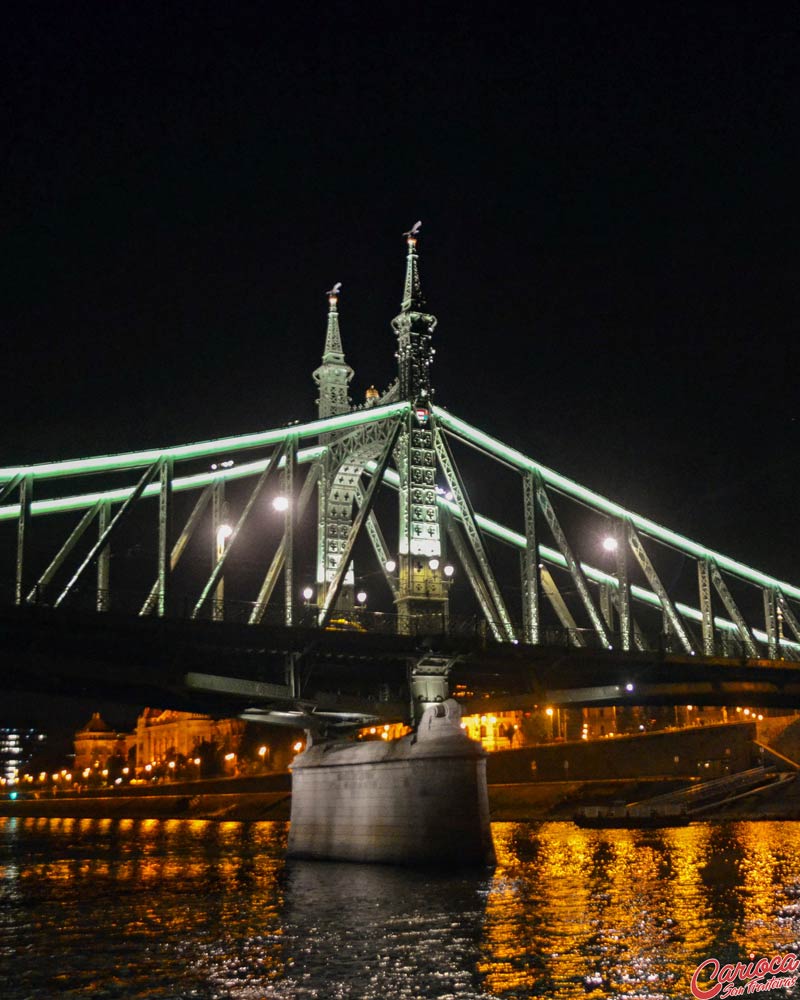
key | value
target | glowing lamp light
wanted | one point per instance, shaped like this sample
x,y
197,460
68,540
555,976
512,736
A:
x,y
449,570
280,504
224,532
262,751
610,543
361,597
433,563
229,756
308,593
390,565
629,687
549,711
196,761
297,747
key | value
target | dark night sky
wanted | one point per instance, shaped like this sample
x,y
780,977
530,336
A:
x,y
610,240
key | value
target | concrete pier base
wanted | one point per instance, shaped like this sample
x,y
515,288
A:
x,y
420,800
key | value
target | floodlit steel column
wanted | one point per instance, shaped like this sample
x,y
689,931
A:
x,y
23,533
276,566
150,473
623,601
706,608
733,610
179,546
572,563
323,493
288,530
216,572
771,622
660,590
456,484
38,591
218,506
164,535
103,602
529,563
606,604
355,528
553,595
378,542
482,595
787,615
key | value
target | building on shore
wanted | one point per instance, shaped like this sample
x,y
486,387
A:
x,y
96,742
162,733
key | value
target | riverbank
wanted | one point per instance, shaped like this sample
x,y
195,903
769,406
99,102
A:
x,y
510,802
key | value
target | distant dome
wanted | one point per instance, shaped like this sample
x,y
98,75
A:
x,y
96,725
372,394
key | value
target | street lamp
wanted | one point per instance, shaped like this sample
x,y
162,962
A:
x,y
361,597
448,570
610,543
281,504
390,565
308,593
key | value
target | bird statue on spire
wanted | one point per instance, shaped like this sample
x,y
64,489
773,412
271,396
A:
x,y
335,290
414,230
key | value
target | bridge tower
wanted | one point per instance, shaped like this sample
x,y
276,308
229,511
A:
x,y
335,506
422,587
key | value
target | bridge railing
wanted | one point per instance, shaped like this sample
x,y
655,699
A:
x,y
363,620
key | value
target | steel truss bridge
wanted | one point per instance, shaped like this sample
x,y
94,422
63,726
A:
x,y
68,517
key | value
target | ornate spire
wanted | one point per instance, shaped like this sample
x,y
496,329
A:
x,y
414,326
334,374
413,299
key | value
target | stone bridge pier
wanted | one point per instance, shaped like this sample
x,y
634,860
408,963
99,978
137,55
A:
x,y
419,800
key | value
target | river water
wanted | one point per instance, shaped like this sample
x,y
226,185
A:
x,y
189,908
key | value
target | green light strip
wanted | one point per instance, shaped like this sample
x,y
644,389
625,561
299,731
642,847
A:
x,y
83,501
555,558
203,449
600,503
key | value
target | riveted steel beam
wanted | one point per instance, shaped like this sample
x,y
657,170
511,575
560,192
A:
x,y
733,610
627,626
165,505
464,555
105,538
23,533
635,637
179,546
529,563
771,622
37,594
553,595
572,563
216,572
103,600
378,542
288,531
706,608
461,497
654,580
276,566
787,615
355,529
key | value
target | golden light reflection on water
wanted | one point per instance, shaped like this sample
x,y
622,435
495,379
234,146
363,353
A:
x,y
615,913
567,913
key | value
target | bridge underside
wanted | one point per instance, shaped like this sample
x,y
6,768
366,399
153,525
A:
x,y
327,680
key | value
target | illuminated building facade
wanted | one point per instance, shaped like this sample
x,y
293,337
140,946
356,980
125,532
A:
x,y
97,742
162,732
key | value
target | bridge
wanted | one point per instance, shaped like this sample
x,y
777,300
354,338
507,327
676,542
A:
x,y
230,572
